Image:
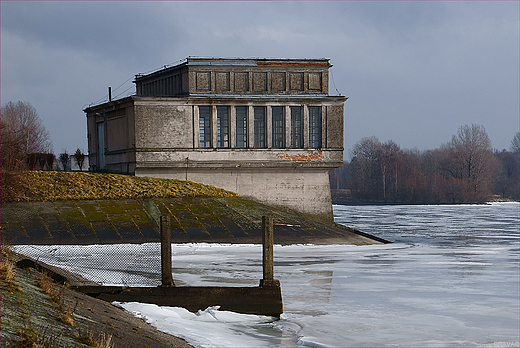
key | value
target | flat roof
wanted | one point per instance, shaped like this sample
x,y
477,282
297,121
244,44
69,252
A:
x,y
202,61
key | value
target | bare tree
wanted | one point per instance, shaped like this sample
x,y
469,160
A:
x,y
365,159
64,159
80,158
515,144
472,161
22,133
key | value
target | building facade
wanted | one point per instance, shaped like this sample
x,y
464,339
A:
x,y
264,128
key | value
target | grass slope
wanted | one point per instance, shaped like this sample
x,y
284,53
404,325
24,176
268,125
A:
x,y
39,186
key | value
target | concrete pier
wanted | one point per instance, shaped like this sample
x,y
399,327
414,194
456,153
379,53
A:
x,y
247,300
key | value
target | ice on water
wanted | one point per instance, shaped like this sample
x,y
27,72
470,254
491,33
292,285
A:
x,y
206,328
450,280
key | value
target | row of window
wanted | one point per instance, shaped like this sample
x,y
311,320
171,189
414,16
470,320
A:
x,y
259,127
171,85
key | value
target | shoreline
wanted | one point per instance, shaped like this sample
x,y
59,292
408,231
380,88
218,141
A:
x,y
433,204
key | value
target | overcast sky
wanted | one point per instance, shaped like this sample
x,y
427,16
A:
x,y
414,72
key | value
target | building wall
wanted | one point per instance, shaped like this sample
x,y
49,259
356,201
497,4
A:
x,y
160,132
163,124
116,120
167,146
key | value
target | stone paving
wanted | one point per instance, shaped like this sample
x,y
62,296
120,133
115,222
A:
x,y
218,220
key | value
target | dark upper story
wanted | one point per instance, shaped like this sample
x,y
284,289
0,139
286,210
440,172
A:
x,y
233,76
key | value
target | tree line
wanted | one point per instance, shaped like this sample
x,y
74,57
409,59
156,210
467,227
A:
x,y
464,170
25,143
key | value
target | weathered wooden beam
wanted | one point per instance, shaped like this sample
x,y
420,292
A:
x,y
268,253
166,251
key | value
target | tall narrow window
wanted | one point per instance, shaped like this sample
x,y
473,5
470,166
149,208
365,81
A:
x,y
296,127
278,127
205,127
259,127
222,126
241,112
314,127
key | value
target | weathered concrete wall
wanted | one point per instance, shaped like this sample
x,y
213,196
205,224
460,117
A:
x,y
304,190
239,158
193,220
335,126
248,300
163,125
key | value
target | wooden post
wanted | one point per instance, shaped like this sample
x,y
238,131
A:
x,y
166,252
267,252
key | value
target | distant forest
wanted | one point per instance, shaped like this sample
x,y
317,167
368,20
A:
x,y
465,170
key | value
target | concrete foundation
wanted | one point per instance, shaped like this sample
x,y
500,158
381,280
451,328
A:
x,y
303,190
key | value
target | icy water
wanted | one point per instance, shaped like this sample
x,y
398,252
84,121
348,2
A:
x,y
450,279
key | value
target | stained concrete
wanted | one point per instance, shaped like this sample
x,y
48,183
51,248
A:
x,y
193,220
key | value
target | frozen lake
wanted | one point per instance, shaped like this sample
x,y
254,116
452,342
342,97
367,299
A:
x,y
451,279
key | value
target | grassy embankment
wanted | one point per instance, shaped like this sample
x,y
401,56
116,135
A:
x,y
39,186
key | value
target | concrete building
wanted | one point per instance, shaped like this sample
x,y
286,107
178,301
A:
x,y
264,128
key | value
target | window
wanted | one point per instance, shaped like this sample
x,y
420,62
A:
x,y
205,126
314,127
259,126
278,127
222,126
241,112
296,127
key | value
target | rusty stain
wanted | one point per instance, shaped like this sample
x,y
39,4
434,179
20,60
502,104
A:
x,y
291,64
310,156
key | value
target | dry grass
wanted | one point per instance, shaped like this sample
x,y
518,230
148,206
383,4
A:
x,y
45,283
101,340
13,186
66,313
7,270
55,292
37,186
43,337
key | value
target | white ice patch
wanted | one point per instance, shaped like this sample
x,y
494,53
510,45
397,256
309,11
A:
x,y
206,328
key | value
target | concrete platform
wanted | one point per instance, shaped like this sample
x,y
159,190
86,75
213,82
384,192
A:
x,y
261,300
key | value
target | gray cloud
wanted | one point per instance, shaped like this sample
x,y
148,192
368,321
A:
x,y
413,71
